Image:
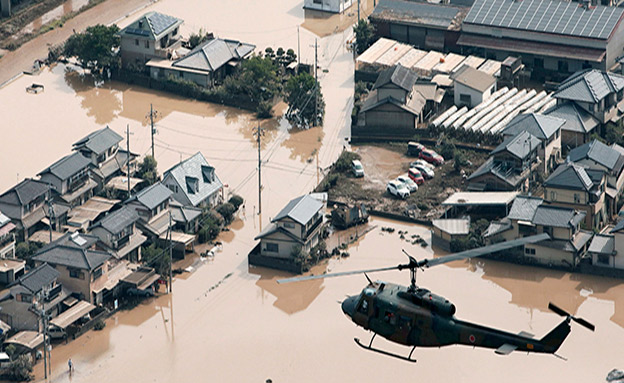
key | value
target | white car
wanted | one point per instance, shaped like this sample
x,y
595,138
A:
x,y
411,185
421,162
426,171
398,189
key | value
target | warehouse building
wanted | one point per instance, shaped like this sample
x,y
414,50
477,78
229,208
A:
x,y
548,35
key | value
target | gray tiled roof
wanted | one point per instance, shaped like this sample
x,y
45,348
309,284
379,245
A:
x,y
152,24
590,85
598,152
39,277
24,192
273,228
67,166
118,220
200,171
152,196
511,178
183,214
213,54
619,226
539,125
555,216
602,244
572,176
519,145
414,106
418,13
497,227
300,209
68,253
398,75
576,119
524,208
99,141
546,16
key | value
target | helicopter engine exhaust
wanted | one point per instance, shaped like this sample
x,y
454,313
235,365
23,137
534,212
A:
x,y
433,302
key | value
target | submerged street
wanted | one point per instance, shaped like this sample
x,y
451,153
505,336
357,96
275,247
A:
x,y
228,322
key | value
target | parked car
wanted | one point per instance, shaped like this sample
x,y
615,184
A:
x,y
426,171
416,176
398,189
413,164
431,157
357,168
411,185
414,148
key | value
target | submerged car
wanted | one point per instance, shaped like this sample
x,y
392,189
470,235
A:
x,y
398,189
411,185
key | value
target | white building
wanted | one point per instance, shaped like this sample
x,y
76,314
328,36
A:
x,y
334,6
472,87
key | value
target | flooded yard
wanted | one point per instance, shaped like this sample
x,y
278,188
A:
x,y
227,322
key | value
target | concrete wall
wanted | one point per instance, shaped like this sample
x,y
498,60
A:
x,y
618,260
334,6
205,80
549,256
476,97
133,48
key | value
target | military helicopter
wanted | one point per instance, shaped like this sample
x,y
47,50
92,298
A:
x,y
414,316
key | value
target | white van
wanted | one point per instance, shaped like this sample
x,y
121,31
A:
x,y
357,168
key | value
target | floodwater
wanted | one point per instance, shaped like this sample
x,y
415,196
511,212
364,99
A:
x,y
227,322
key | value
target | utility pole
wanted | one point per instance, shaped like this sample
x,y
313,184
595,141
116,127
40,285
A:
x,y
128,156
298,50
45,340
152,115
259,132
50,210
170,256
316,80
358,10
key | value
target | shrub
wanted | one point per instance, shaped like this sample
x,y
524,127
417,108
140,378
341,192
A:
x,y
209,231
20,369
264,109
343,164
227,211
447,150
460,161
236,200
99,325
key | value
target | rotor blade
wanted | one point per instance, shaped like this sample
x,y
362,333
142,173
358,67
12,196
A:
x,y
557,310
484,250
331,275
584,323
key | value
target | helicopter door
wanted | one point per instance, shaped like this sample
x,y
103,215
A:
x,y
363,311
384,321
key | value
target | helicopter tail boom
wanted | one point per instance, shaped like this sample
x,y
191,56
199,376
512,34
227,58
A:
x,y
553,340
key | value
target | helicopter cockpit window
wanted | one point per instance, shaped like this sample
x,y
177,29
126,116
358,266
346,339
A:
x,y
369,292
364,307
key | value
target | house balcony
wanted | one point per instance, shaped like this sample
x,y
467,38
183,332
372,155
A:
x,y
76,184
122,242
167,51
314,227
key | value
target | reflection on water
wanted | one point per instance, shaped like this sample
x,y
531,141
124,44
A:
x,y
102,102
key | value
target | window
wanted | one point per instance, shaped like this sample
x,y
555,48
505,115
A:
x,y
75,273
175,32
147,44
577,198
364,307
553,195
465,99
317,1
136,41
289,225
272,247
97,273
529,251
603,259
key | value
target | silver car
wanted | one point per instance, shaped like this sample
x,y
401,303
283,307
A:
x,y
398,189
426,171
409,184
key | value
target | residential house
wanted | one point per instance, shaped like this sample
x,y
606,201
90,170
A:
x,y
296,226
37,290
82,269
607,250
194,182
547,129
10,270
102,148
445,231
597,92
71,178
580,188
596,155
118,234
333,6
153,35
509,166
186,219
393,108
578,127
529,216
206,65
566,41
423,25
432,94
152,206
7,237
471,86
25,204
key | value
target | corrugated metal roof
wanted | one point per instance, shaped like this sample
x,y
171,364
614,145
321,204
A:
x,y
480,198
419,13
452,226
67,166
576,119
200,170
497,227
590,85
602,244
524,208
300,209
72,314
597,152
555,216
541,126
99,141
546,16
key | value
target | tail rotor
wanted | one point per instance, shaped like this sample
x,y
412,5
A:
x,y
563,313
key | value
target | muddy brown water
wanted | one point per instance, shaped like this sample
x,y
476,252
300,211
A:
x,y
227,322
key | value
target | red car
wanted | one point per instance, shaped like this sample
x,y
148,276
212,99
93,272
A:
x,y
416,176
431,157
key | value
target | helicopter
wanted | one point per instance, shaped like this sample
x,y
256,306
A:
x,y
414,316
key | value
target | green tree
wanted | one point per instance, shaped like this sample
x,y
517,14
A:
x,y
197,38
257,80
20,369
290,57
236,200
300,93
460,161
157,258
227,211
364,35
148,170
95,48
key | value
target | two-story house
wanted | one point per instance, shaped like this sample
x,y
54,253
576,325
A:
x,y
578,127
393,108
509,166
152,206
153,35
25,204
82,269
547,129
596,155
102,148
598,92
118,234
529,216
194,182
295,227
7,237
471,86
574,186
71,178
37,290
607,250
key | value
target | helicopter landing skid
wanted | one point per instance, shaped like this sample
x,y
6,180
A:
x,y
370,347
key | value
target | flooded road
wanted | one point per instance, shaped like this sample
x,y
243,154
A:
x,y
227,322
